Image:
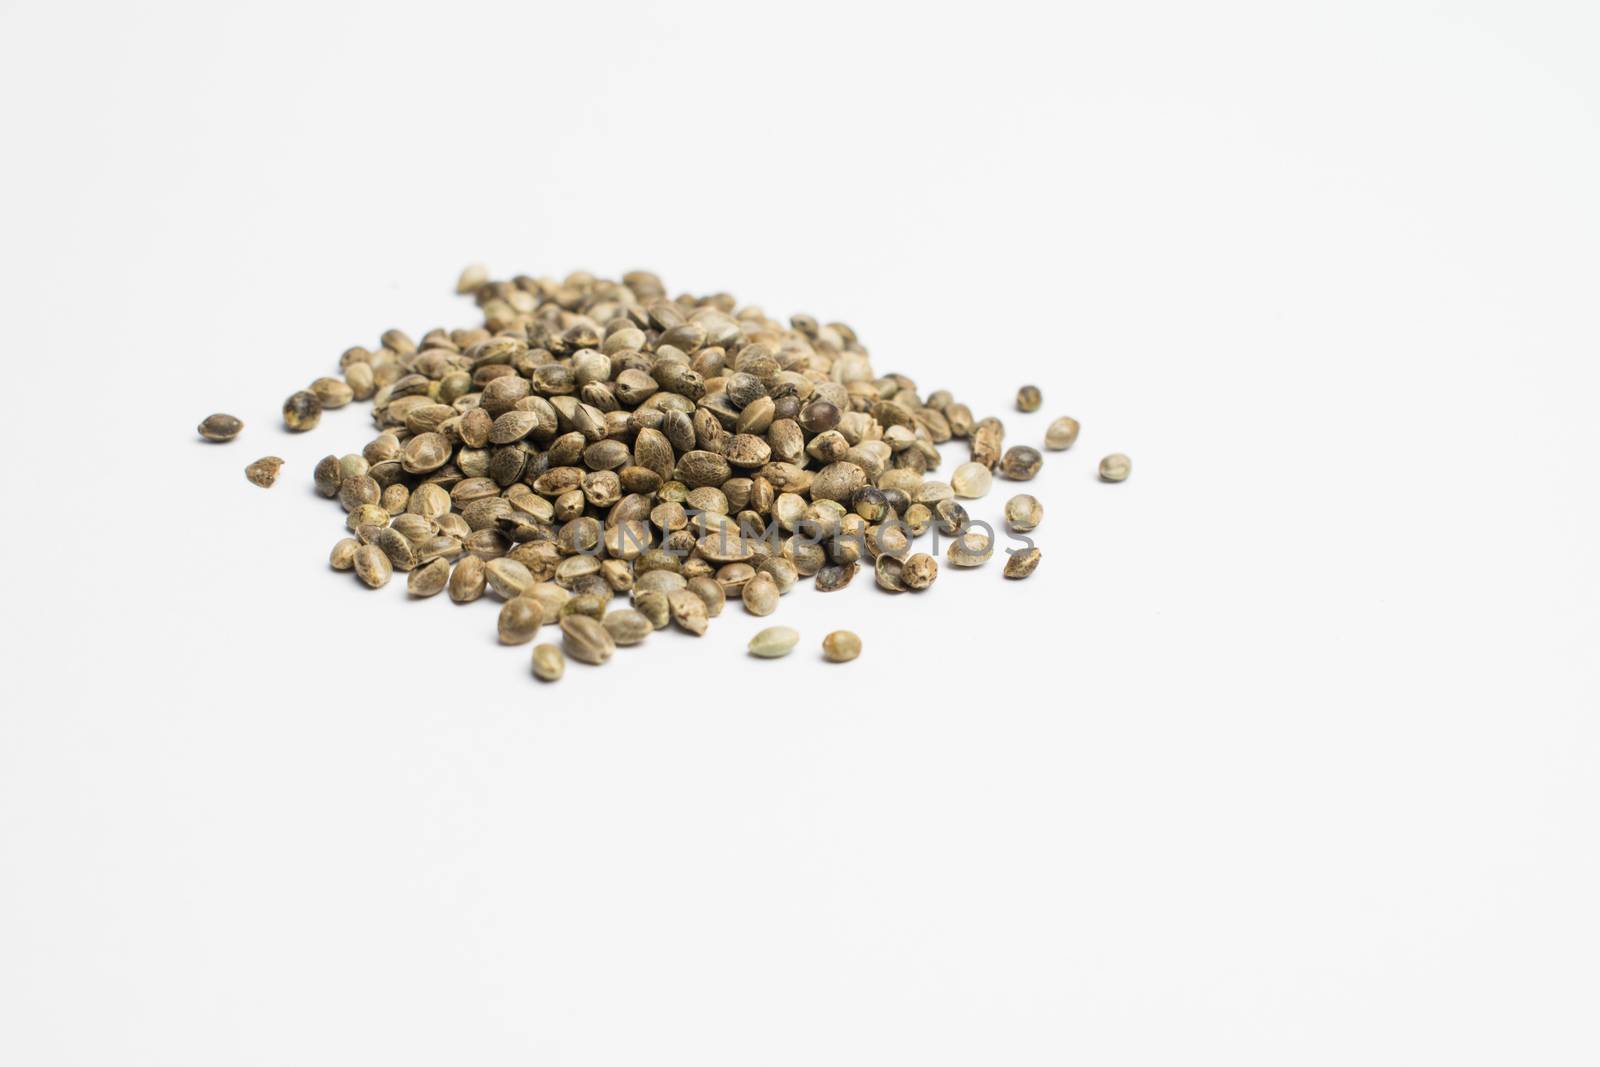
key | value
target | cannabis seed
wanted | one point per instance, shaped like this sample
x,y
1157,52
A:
x,y
372,566
971,480
586,641
264,471
760,595
1028,398
429,579
774,641
1061,434
1021,463
302,411
841,646
343,556
919,571
467,581
627,626
220,427
688,611
1115,468
972,549
520,619
1023,513
1021,564
548,662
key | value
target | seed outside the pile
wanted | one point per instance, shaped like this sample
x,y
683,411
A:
x,y
774,641
1061,434
1029,398
841,646
264,471
220,427
302,411
1023,513
548,662
1022,563
1116,468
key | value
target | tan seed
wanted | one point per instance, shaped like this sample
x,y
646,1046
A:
x,y
1115,468
343,556
688,611
467,581
627,626
372,566
919,571
430,579
760,595
1023,513
774,641
520,619
971,480
264,471
1021,564
548,662
585,640
473,277
1029,398
1061,434
841,646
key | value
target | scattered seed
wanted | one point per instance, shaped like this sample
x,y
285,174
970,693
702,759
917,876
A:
x,y
841,646
972,549
1021,463
1115,468
972,480
264,471
1061,434
774,641
1022,563
1023,513
220,427
548,662
1028,398
302,411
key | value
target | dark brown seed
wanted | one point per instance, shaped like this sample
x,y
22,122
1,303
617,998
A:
x,y
302,411
836,576
220,427
1022,563
1021,463
264,471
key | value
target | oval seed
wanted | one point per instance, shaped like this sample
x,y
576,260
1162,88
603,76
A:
x,y
1115,468
586,641
507,577
653,606
520,619
1061,434
627,626
1021,564
709,590
760,595
971,549
1023,513
264,471
467,581
428,580
220,427
302,411
841,646
1020,463
1029,398
971,480
343,556
688,611
548,662
372,566
774,641
474,276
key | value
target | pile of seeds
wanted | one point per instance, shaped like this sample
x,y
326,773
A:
x,y
599,438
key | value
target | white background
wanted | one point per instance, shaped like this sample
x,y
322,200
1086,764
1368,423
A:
x,y
1287,753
